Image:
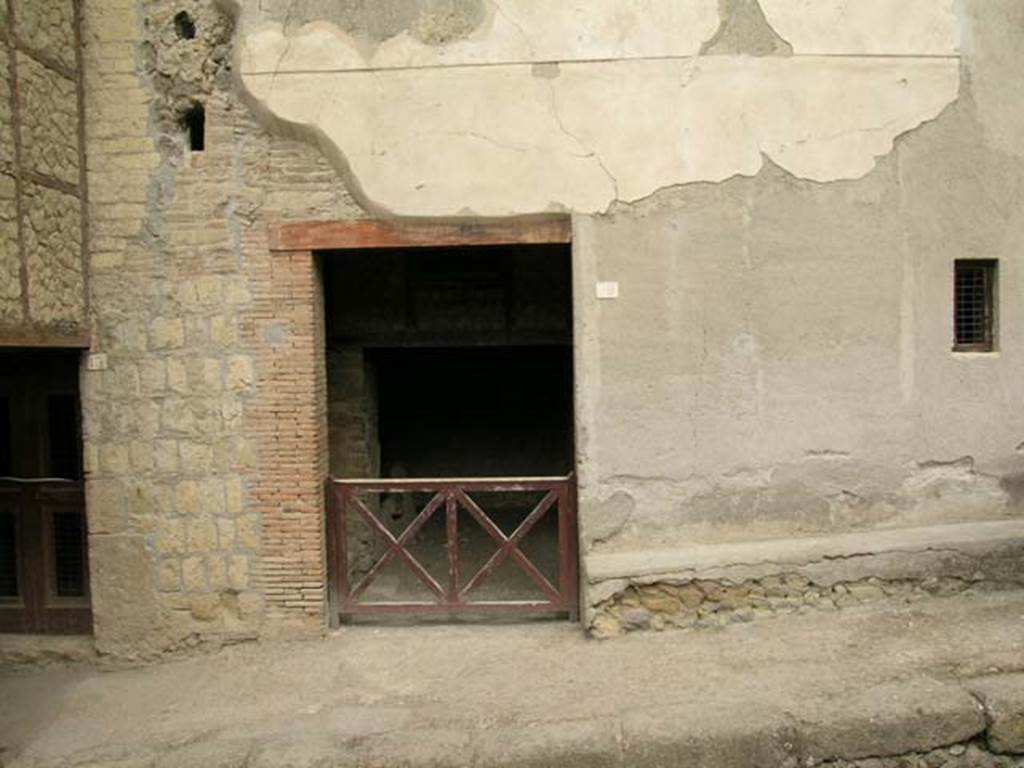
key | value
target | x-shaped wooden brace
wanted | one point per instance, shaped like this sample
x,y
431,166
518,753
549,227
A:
x,y
397,547
508,546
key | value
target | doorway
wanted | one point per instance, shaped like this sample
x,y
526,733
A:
x,y
451,429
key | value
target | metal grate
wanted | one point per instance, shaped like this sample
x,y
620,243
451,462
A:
x,y
974,305
8,556
69,553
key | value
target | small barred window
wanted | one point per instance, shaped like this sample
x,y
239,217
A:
x,y
975,305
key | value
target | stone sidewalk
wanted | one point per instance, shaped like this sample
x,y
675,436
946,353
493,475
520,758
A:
x,y
938,683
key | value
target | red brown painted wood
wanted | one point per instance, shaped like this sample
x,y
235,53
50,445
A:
x,y
419,233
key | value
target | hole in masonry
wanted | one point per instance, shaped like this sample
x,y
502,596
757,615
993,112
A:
x,y
184,26
194,124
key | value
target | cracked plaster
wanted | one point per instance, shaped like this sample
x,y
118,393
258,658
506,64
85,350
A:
x,y
474,126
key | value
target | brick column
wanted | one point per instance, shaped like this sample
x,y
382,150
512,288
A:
x,y
289,422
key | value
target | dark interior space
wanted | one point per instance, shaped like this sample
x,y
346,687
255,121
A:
x,y
451,362
474,412
449,297
43,546
40,425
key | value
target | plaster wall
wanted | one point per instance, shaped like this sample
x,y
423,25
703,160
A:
x,y
576,105
780,360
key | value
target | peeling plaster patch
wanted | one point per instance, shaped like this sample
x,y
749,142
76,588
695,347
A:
x,y
548,71
827,455
520,31
745,31
961,467
434,22
845,504
820,491
1014,487
610,518
638,126
430,130
959,470
955,482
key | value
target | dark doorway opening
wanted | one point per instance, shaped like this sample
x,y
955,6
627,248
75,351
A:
x,y
44,582
443,364
474,412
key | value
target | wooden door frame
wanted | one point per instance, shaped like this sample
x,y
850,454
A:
x,y
419,233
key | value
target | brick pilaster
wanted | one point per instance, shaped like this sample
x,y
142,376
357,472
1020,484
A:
x,y
289,423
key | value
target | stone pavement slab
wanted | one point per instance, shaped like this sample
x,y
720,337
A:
x,y
930,682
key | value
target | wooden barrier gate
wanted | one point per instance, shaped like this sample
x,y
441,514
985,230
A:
x,y
456,594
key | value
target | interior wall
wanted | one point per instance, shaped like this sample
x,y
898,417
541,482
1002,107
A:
x,y
352,414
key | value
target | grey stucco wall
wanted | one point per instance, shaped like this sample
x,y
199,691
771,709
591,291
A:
x,y
779,361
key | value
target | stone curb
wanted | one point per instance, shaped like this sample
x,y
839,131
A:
x,y
892,720
1003,699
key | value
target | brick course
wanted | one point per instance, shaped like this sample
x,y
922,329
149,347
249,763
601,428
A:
x,y
289,420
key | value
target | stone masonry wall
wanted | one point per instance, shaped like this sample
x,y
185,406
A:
x,y
43,228
201,493
702,604
354,442
352,409
712,599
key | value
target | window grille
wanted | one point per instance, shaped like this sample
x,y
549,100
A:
x,y
974,305
69,554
